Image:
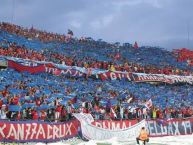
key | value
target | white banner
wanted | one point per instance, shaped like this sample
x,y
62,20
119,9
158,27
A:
x,y
83,117
90,131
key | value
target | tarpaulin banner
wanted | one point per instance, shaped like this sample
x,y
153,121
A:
x,y
171,79
90,131
73,71
114,124
115,75
67,71
170,127
158,127
31,131
38,131
22,68
129,129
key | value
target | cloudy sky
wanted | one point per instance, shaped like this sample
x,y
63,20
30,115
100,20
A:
x,y
164,23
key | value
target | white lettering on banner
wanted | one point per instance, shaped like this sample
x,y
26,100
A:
x,y
50,70
104,126
40,131
27,130
139,78
1,130
12,132
163,78
112,125
49,135
80,74
170,129
20,131
151,127
128,77
62,72
115,127
75,74
155,126
124,125
68,131
109,125
34,126
66,71
98,124
187,125
55,132
62,128
163,130
182,79
46,69
152,77
113,76
177,132
145,77
34,131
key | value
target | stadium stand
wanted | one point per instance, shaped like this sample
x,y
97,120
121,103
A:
x,y
48,97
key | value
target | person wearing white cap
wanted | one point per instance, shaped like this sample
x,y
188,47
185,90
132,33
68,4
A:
x,y
2,112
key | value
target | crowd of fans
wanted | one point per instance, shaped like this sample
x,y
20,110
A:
x,y
13,50
115,59
184,54
104,100
32,33
21,52
55,98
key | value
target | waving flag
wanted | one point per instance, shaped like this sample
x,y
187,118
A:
x,y
148,104
113,111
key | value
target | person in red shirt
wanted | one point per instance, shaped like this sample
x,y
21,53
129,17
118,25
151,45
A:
x,y
38,102
58,113
5,93
18,115
43,116
35,115
15,100
1,103
63,114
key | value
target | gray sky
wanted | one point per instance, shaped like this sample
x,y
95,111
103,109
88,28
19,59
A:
x,y
161,23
